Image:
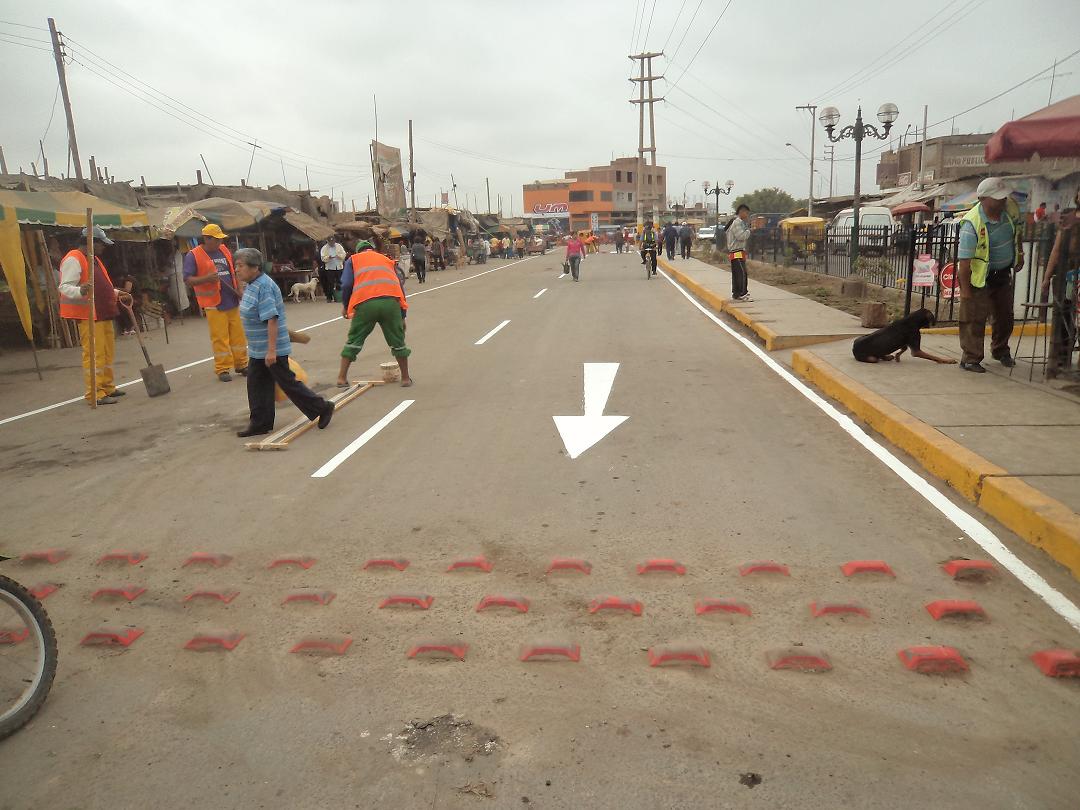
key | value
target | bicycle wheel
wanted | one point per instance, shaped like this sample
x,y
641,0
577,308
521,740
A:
x,y
27,656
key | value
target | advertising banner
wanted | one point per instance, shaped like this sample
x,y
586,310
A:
x,y
389,181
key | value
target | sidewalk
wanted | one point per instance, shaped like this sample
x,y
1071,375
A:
x,y
1009,446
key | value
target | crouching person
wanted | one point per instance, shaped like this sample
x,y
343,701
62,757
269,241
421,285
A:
x,y
262,312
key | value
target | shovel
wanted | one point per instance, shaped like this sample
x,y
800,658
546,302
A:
x,y
153,376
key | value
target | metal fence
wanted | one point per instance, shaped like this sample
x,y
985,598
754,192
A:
x,y
887,259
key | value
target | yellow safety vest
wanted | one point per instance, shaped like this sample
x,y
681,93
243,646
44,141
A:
x,y
980,262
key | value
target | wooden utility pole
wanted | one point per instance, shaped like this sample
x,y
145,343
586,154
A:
x,y
91,321
3,163
412,179
453,187
73,144
44,160
487,182
641,101
205,167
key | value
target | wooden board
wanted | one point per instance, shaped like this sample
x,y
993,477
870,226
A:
x,y
280,440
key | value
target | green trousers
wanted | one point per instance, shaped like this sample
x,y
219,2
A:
x,y
386,312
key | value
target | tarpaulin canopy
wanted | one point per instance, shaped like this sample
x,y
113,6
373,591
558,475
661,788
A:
x,y
188,220
68,208
309,226
1051,132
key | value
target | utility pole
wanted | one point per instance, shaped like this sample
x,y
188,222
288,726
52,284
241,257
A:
x,y
412,179
922,147
3,163
487,182
831,155
641,101
205,167
73,145
453,187
813,120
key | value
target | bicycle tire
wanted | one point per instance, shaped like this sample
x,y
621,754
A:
x,y
30,703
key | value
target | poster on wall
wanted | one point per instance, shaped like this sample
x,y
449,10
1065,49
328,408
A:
x,y
389,181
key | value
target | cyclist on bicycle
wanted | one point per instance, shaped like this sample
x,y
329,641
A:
x,y
648,242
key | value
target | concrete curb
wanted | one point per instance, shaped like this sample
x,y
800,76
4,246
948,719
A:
x,y
772,340
1037,518
1030,330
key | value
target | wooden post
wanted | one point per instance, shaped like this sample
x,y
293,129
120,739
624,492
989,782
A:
x,y
58,56
412,179
91,321
93,168
44,160
143,180
3,163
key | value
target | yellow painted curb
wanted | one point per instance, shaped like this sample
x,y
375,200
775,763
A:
x,y
1030,330
1037,518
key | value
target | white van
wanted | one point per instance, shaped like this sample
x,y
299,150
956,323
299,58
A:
x,y
876,218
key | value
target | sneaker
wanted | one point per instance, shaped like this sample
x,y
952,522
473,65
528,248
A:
x,y
242,371
326,416
1006,359
225,376
107,401
744,299
974,367
117,393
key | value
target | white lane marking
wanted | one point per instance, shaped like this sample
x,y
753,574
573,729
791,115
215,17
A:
x,y
73,400
540,293
490,334
361,440
986,539
579,433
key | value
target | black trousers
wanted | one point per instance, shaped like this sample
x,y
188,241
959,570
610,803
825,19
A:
x,y
685,248
260,390
669,246
738,278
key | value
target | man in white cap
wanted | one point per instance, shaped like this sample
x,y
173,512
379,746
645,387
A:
x,y
209,271
991,251
75,304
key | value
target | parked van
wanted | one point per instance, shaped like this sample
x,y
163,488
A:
x,y
875,229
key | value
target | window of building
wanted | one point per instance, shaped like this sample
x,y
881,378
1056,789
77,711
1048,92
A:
x,y
618,176
581,196
629,196
629,177
605,196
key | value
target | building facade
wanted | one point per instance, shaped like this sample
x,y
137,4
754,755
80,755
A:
x,y
951,157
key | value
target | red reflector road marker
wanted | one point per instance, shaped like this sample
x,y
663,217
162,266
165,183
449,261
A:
x,y
570,564
386,562
818,610
1058,663
798,659
13,635
764,567
933,660
316,597
616,603
969,570
128,592
480,563
519,603
299,560
417,600
43,590
698,656
705,606
322,646
571,652
221,596
208,558
130,557
439,649
854,567
111,637
48,555
214,641
662,564
958,608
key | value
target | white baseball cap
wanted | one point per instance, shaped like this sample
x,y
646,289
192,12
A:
x,y
992,187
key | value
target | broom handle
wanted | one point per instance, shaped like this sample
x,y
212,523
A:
x,y
138,337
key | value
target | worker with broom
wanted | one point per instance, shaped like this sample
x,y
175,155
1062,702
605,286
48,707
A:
x,y
75,304
263,313
209,271
373,296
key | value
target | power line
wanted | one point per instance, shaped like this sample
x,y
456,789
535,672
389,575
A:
x,y
648,30
673,26
702,45
48,126
23,25
639,7
489,158
689,25
3,38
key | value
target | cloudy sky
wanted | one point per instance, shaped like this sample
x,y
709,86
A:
x,y
510,91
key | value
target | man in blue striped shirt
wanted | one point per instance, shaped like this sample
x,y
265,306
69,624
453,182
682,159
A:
x,y
262,312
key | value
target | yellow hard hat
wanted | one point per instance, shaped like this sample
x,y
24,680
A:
x,y
214,231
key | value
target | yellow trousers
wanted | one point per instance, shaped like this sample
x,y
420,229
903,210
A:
x,y
104,351
227,338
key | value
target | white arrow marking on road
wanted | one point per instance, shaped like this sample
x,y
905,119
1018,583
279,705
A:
x,y
579,433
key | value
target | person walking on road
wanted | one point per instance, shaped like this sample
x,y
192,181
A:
x,y
262,312
206,267
575,249
620,240
686,240
75,304
991,252
738,235
333,257
419,261
670,235
374,296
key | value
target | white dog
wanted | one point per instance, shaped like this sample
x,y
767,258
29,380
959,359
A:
x,y
304,288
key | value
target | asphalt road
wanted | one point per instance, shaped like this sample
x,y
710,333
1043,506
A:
x,y
719,463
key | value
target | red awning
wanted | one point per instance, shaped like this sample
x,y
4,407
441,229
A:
x,y
910,208
1051,132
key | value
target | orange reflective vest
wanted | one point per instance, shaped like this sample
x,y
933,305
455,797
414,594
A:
x,y
374,277
78,309
208,294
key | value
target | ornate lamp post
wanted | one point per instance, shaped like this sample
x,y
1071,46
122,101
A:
x,y
829,118
717,191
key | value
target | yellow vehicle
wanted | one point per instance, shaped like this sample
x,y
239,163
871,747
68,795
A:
x,y
803,235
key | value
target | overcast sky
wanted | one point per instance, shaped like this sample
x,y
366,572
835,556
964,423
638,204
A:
x,y
510,91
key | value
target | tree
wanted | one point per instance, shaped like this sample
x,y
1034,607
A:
x,y
768,200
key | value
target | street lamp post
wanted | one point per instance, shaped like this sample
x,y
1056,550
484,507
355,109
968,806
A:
x,y
830,117
688,182
717,190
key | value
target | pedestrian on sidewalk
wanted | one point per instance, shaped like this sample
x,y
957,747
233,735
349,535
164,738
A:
x,y
374,296
891,341
75,304
575,249
1062,281
262,311
670,235
686,240
991,252
333,257
206,267
738,235
620,240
